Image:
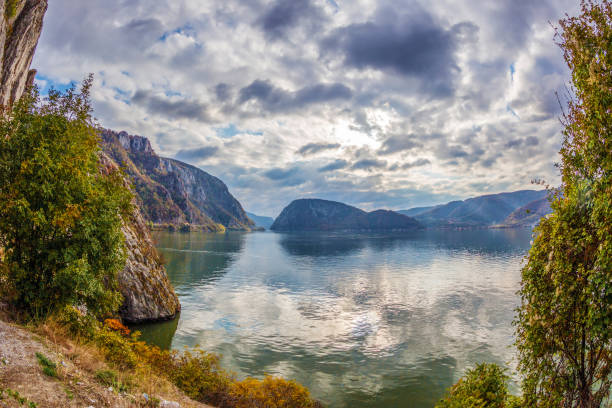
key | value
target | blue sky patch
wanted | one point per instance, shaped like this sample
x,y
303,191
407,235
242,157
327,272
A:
x,y
231,130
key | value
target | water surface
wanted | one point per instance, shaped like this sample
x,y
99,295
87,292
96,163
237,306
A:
x,y
363,320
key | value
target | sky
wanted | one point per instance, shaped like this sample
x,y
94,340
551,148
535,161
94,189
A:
x,y
379,104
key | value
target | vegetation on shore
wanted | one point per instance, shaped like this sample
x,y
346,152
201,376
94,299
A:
x,y
564,322
60,230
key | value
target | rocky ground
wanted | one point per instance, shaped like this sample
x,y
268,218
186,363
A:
x,y
76,384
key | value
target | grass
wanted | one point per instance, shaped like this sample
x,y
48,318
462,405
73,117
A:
x,y
48,366
110,378
22,401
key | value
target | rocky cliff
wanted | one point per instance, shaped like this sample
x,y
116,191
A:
x,y
20,28
324,215
148,295
146,290
173,192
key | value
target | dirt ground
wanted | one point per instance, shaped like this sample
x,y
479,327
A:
x,y
75,385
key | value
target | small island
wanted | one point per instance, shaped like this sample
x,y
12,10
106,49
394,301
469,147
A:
x,y
323,215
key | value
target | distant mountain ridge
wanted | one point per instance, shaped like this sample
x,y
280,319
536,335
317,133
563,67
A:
x,y
483,211
528,215
324,215
172,192
261,221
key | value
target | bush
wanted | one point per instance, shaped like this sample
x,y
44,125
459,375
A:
x,y
271,392
482,387
77,322
199,375
60,217
116,348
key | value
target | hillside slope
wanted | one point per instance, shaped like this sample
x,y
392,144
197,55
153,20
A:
x,y
76,384
324,215
482,211
173,192
261,221
528,215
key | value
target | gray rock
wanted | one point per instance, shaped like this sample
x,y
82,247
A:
x,y
143,282
169,404
20,28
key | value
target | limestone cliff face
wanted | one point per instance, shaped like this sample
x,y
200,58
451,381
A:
x,y
20,27
143,282
173,192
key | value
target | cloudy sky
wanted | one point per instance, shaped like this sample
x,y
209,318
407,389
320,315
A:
x,y
380,104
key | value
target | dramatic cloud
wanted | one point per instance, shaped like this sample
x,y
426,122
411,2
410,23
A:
x,y
171,108
314,148
282,15
397,143
369,164
275,99
412,44
335,165
196,155
386,103
409,165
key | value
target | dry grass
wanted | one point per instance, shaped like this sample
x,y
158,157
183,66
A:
x,y
78,362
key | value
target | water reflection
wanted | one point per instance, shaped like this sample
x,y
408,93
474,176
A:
x,y
363,320
194,259
160,333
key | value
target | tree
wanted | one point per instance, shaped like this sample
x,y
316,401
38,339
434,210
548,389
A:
x,y
484,386
60,215
564,322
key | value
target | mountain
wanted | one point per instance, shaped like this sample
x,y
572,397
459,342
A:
x,y
323,215
172,192
143,282
261,221
528,215
147,292
482,211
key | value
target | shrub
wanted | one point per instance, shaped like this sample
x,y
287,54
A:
x,y
77,322
116,348
199,375
60,217
482,387
116,325
271,392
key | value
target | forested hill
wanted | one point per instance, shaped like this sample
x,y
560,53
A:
x,y
483,211
324,215
172,192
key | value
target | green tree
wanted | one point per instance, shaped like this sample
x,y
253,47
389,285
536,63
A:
x,y
484,386
564,322
60,213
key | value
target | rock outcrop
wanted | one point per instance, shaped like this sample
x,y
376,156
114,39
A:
x,y
324,215
143,282
20,28
173,192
